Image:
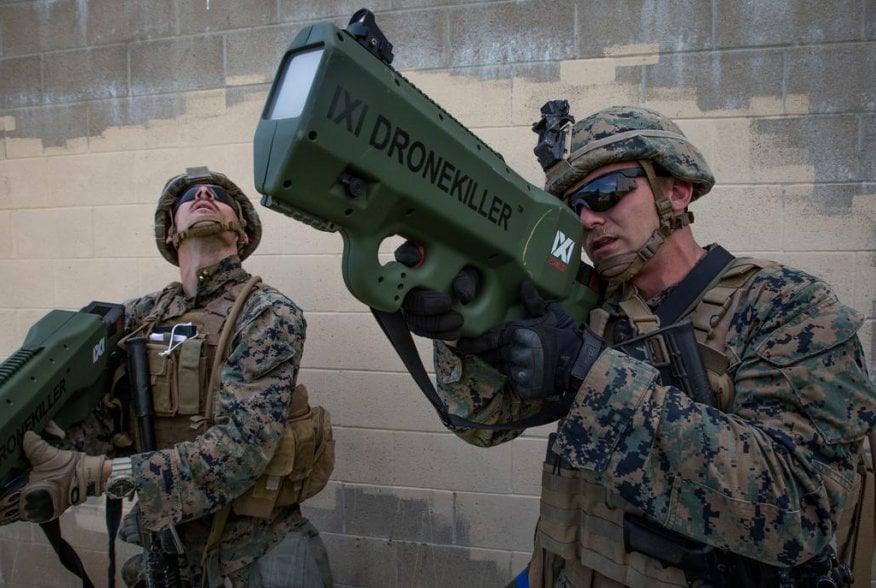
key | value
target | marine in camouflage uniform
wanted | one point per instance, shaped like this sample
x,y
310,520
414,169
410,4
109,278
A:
x,y
770,473
182,485
200,469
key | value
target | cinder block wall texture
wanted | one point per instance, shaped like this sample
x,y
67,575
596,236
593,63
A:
x,y
101,101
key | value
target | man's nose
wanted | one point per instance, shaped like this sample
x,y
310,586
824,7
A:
x,y
590,219
204,193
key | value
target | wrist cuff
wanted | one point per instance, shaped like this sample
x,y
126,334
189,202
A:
x,y
591,347
92,475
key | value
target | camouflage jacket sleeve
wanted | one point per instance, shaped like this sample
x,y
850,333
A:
x,y
195,478
476,391
765,479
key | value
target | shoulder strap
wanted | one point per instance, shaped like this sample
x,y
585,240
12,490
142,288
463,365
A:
x,y
68,556
683,297
639,314
209,574
222,349
694,285
161,303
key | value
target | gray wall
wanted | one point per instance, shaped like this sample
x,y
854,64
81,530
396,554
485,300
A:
x,y
102,100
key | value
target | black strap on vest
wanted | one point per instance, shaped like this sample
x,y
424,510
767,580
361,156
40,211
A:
x,y
65,552
396,330
690,289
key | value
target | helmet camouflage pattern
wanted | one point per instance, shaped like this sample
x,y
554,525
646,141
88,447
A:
x,y
630,133
177,185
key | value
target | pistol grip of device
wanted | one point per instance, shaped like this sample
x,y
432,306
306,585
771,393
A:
x,y
384,286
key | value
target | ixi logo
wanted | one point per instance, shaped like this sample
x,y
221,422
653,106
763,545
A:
x,y
561,252
97,351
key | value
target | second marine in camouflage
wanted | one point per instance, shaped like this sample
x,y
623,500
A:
x,y
769,477
223,351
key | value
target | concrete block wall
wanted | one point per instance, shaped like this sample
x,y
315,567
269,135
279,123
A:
x,y
101,101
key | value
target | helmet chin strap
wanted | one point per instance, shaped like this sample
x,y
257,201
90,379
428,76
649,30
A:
x,y
207,229
635,261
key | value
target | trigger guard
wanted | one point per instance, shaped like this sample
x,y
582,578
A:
x,y
422,257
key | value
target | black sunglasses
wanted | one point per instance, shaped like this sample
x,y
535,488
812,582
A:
x,y
219,194
601,193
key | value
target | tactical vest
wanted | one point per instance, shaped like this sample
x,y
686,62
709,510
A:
x,y
186,354
580,527
711,316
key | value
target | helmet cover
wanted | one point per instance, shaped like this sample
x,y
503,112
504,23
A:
x,y
630,133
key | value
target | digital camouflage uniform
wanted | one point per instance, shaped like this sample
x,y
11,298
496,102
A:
x,y
238,444
185,484
767,475
193,479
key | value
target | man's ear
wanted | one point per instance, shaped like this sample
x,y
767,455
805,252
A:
x,y
680,193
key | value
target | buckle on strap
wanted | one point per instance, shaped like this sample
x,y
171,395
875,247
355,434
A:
x,y
650,248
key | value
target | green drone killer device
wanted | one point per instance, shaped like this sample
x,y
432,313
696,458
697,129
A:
x,y
346,143
60,373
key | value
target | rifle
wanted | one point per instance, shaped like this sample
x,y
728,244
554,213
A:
x,y
346,143
164,555
673,351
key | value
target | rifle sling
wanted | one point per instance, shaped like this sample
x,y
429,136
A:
x,y
67,554
65,551
396,330
113,519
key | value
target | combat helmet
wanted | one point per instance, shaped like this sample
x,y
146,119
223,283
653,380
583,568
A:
x,y
629,133
177,185
615,134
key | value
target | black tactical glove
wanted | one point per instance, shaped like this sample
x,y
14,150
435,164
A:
x,y
429,313
543,356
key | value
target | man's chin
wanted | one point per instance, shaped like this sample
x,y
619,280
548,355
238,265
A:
x,y
204,222
612,266
613,272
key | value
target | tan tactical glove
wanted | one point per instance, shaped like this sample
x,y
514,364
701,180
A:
x,y
57,480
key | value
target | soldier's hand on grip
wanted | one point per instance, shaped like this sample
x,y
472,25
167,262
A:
x,y
57,480
543,356
429,313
